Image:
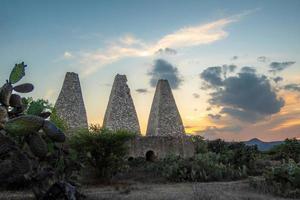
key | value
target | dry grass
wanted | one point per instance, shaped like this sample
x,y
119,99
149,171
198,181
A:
x,y
237,190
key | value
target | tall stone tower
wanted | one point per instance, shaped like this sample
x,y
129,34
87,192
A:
x,y
69,105
164,119
120,112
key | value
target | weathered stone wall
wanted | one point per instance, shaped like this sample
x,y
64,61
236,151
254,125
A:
x,y
164,119
69,105
120,112
161,146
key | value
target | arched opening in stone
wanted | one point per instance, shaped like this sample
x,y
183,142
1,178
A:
x,y
150,156
130,159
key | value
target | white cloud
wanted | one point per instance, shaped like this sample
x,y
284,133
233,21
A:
x,y
68,55
130,46
195,35
130,40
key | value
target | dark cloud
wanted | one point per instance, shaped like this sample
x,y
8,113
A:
x,y
277,79
231,68
279,66
164,70
234,58
233,128
247,69
247,116
213,76
215,117
211,132
208,108
262,59
250,92
228,69
142,90
196,95
292,87
168,51
246,96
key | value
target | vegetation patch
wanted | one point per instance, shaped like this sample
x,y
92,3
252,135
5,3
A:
x,y
282,177
102,149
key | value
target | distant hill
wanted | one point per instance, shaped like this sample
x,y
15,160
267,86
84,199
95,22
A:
x,y
261,145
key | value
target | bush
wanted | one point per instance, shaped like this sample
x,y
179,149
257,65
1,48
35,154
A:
x,y
39,106
103,149
290,149
217,146
203,167
200,144
59,122
36,107
237,154
244,155
282,180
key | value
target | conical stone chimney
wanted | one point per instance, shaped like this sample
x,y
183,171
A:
x,y
164,119
69,105
120,112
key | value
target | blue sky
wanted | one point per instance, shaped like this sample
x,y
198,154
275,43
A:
x,y
99,39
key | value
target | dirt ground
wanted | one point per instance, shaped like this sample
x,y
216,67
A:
x,y
237,190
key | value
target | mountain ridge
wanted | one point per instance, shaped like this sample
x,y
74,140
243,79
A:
x,y
262,145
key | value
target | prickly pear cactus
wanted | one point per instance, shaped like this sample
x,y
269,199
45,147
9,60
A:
x,y
25,157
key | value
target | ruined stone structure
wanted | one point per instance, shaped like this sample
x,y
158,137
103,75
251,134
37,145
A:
x,y
120,112
164,119
69,105
165,132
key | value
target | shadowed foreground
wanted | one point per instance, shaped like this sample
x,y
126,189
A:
x,y
237,190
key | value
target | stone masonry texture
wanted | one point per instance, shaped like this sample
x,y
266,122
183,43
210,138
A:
x,y
120,112
69,105
161,146
164,119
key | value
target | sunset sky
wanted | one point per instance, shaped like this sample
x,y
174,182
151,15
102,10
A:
x,y
233,65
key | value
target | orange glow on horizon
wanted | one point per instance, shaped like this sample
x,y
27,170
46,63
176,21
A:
x,y
287,124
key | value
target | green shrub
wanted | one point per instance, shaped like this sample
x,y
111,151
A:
x,y
214,161
59,122
39,106
209,167
290,149
203,167
200,144
282,180
287,173
244,155
217,146
103,149
36,107
237,154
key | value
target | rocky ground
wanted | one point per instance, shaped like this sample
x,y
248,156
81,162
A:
x,y
237,190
